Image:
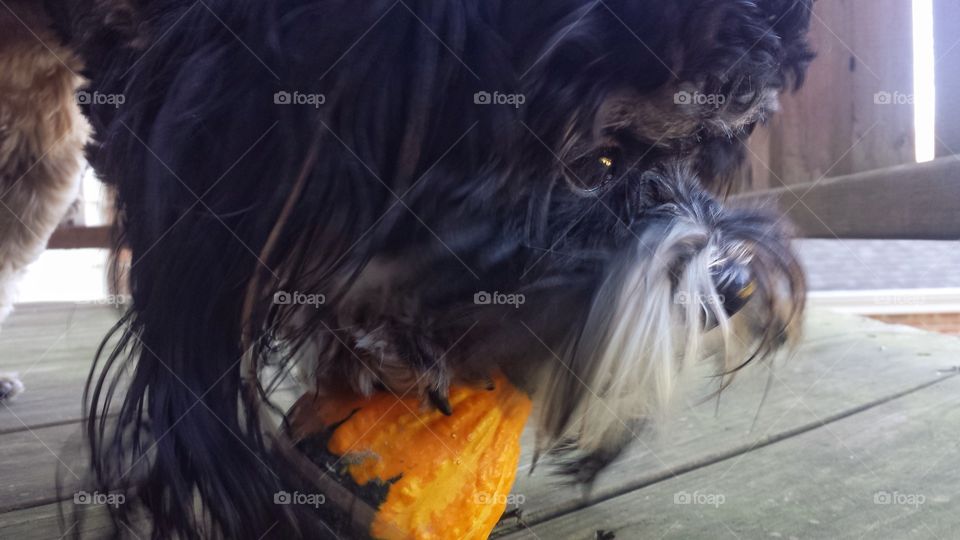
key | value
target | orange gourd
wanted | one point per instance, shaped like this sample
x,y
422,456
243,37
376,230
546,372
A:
x,y
445,476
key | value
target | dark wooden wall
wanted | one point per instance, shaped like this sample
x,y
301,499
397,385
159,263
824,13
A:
x,y
834,126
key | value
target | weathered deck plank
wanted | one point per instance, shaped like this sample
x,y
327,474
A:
x,y
30,461
845,365
848,368
44,522
53,396
889,472
52,348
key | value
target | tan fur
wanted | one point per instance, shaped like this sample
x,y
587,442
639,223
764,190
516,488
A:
x,y
42,134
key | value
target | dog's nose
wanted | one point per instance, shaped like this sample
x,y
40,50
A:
x,y
734,283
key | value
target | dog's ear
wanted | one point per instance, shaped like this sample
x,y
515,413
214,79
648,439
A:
x,y
736,56
727,62
587,74
102,33
702,69
736,47
792,24
739,57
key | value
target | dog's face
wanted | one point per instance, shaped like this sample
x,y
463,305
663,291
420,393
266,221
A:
x,y
594,197
400,159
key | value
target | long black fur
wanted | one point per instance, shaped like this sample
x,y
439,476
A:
x,y
226,197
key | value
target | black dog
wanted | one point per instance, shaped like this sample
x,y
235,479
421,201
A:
x,y
410,193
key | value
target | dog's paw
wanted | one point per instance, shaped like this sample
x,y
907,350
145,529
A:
x,y
583,468
10,386
407,362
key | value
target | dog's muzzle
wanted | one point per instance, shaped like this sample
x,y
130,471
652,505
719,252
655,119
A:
x,y
668,303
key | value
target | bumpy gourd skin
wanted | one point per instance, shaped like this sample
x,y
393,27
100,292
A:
x,y
447,476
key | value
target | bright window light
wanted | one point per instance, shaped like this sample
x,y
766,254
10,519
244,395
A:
x,y
924,89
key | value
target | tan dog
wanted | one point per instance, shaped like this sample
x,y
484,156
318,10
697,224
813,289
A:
x,y
42,134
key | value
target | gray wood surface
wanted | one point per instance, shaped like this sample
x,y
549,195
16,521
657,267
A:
x,y
31,460
846,365
51,347
888,472
44,522
847,371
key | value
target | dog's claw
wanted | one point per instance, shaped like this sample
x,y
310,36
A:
x,y
441,402
10,386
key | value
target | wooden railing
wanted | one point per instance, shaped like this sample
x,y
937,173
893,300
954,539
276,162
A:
x,y
916,201
81,237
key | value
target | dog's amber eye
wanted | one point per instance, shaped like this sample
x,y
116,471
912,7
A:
x,y
608,169
595,170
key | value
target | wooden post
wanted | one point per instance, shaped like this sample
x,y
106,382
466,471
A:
x,y
917,201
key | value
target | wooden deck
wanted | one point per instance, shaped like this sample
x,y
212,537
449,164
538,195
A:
x,y
858,439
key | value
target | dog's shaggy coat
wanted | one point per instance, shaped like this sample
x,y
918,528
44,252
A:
x,y
351,152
